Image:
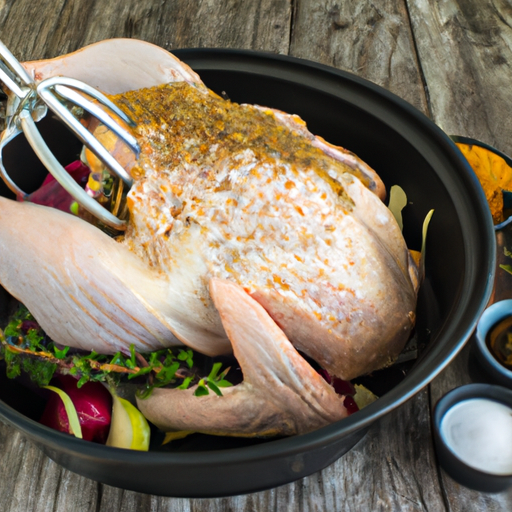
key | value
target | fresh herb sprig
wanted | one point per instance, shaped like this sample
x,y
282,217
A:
x,y
214,381
25,347
23,335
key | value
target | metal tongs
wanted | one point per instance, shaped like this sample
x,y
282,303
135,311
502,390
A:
x,y
30,104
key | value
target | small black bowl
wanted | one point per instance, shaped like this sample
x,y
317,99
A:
x,y
490,317
460,471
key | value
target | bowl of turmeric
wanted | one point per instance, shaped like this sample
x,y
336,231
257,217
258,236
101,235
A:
x,y
494,171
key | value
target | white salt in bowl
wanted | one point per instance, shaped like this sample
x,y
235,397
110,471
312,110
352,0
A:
x,y
473,436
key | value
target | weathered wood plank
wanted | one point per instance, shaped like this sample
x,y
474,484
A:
x,y
393,468
30,481
386,471
465,48
465,53
69,25
371,39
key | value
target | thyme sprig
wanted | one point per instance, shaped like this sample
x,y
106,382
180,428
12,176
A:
x,y
25,347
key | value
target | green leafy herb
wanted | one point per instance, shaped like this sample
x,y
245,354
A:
x,y
215,370
60,354
41,372
186,383
187,356
13,364
132,362
214,388
25,348
201,389
21,336
219,380
213,381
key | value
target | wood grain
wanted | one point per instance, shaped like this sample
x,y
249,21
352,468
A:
x,y
32,482
70,24
459,51
465,52
465,48
371,39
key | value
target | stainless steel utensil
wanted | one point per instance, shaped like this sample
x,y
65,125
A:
x,y
67,98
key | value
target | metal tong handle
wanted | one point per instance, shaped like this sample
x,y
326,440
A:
x,y
52,93
13,74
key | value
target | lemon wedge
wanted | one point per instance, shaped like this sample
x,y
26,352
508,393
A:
x,y
363,396
129,428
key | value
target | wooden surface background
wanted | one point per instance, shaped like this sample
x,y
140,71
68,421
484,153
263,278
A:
x,y
451,59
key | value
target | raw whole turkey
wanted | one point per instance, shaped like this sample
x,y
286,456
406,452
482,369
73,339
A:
x,y
246,233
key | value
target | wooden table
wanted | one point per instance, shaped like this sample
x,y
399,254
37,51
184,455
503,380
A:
x,y
452,60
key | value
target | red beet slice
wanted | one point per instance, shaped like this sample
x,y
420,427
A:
x,y
93,404
343,388
51,193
